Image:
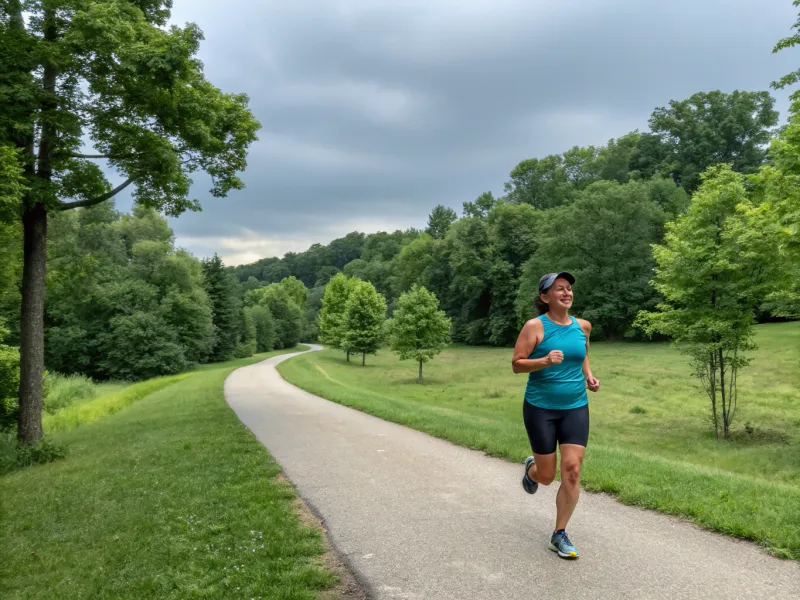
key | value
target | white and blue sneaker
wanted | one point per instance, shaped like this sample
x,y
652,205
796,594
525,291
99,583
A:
x,y
528,484
560,543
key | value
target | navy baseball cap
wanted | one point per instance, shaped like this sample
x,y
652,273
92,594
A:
x,y
547,280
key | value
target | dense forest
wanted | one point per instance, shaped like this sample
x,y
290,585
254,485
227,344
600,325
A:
x,y
595,211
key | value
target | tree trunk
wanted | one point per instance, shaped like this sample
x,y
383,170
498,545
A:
x,y
712,382
725,423
363,358
31,365
348,356
419,379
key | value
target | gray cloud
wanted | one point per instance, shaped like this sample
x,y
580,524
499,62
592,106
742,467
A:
x,y
373,113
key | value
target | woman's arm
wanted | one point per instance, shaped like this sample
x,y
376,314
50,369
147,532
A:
x,y
591,382
529,338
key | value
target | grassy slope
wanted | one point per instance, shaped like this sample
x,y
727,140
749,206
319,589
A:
x,y
170,498
665,458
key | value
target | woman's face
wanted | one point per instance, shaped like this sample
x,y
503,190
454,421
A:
x,y
559,294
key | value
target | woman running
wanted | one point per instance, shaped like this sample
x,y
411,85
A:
x,y
553,348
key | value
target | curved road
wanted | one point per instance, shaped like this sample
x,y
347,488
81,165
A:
x,y
416,517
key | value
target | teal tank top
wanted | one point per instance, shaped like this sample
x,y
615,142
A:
x,y
562,386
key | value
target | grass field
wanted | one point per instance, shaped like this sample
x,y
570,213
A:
x,y
169,498
651,443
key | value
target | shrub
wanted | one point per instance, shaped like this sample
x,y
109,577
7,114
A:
x,y
62,390
15,456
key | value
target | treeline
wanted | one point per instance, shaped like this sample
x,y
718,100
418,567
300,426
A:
x,y
596,211
122,302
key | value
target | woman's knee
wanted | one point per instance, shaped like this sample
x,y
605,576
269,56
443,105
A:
x,y
545,469
571,472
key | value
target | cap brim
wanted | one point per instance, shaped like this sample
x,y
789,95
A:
x,y
568,276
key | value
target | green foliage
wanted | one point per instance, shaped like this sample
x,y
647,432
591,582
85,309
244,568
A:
x,y
439,221
62,390
331,319
223,295
9,381
711,128
265,334
418,330
789,42
717,262
112,276
14,455
604,239
286,313
778,186
364,320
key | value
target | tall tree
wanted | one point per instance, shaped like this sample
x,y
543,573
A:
x,y
717,262
418,329
604,238
439,221
364,320
713,127
225,306
331,318
113,75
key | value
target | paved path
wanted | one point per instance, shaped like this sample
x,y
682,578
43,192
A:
x,y
416,517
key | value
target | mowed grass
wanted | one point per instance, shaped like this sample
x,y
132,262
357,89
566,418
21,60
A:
x,y
169,498
651,443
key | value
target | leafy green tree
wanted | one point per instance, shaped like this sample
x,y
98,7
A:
x,y
247,344
296,290
265,328
331,318
9,381
542,183
604,238
364,320
512,241
287,315
439,221
469,296
140,346
481,206
110,74
715,265
713,127
11,190
225,306
418,330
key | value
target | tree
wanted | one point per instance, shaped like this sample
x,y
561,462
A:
x,y
110,74
265,328
364,320
542,183
287,315
481,207
331,318
9,380
247,343
716,263
713,127
604,238
439,221
225,306
418,329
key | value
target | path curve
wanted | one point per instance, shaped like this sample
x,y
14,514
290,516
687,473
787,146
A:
x,y
417,518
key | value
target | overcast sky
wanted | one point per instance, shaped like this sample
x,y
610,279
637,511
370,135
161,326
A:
x,y
374,112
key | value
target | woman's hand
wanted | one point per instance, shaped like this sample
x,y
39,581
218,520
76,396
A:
x,y
592,383
556,357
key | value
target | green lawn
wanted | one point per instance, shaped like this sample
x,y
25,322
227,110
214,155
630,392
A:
x,y
651,442
169,498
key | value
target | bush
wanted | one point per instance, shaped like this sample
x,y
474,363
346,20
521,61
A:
x,y
62,390
9,385
15,456
245,350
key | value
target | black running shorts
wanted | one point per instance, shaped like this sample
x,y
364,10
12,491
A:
x,y
547,427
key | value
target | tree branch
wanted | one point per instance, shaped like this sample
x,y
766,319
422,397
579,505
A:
x,y
99,199
99,156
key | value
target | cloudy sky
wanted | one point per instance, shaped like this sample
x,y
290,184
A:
x,y
374,112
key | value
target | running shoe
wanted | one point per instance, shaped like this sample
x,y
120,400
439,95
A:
x,y
560,543
528,484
